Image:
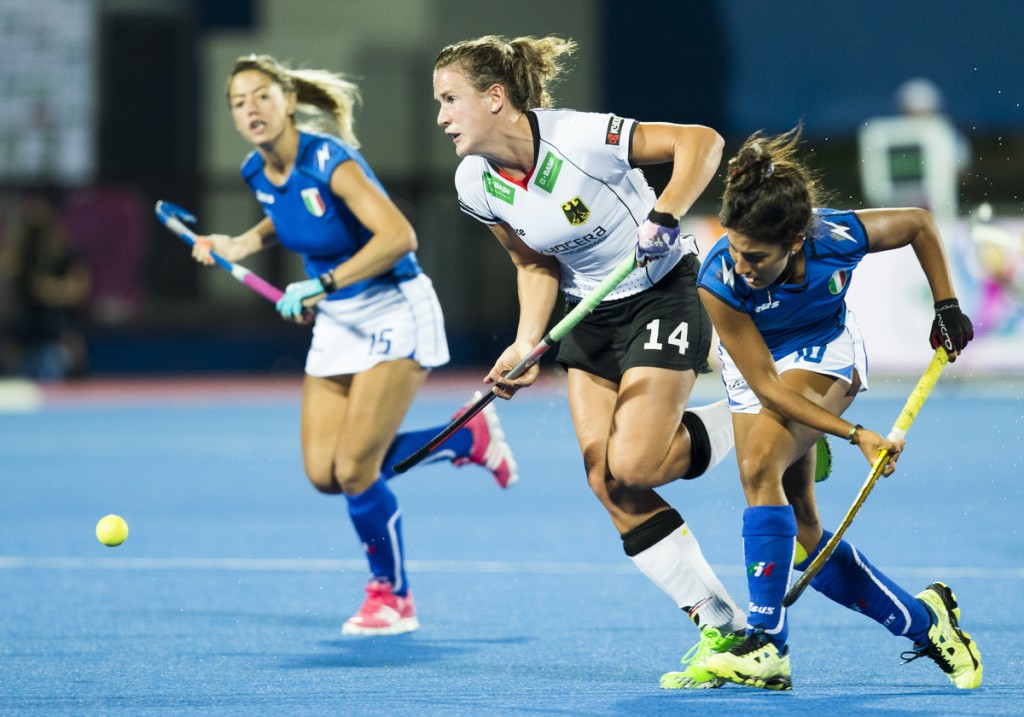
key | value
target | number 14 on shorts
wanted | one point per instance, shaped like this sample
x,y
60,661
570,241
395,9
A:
x,y
678,337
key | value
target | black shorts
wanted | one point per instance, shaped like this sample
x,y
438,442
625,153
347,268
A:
x,y
665,326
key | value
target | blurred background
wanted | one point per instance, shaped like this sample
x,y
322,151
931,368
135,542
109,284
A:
x,y
110,105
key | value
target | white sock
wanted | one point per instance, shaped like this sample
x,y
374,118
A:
x,y
717,420
677,566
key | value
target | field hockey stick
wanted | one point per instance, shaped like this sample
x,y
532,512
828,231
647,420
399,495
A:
x,y
899,431
174,218
586,305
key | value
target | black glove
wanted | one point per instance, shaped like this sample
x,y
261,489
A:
x,y
951,329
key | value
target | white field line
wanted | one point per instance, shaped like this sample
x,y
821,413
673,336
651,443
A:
x,y
462,567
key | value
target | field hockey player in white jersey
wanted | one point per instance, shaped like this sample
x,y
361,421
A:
x,y
378,329
793,361
562,192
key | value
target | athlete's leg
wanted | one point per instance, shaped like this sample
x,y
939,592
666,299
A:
x,y
783,519
775,458
481,441
347,424
349,421
654,535
653,440
764,448
592,401
847,578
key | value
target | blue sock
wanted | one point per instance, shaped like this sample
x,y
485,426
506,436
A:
x,y
850,580
407,443
769,538
378,524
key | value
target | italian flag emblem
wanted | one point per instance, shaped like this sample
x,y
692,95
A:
x,y
837,282
313,201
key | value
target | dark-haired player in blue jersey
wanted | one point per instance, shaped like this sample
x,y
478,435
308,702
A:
x,y
378,328
793,361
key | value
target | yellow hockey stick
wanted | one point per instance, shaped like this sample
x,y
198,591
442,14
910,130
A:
x,y
899,431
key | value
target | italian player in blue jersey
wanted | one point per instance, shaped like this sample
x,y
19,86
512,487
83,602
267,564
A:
x,y
378,329
794,360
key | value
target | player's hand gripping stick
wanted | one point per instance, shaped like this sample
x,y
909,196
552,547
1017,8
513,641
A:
x,y
175,218
951,328
586,305
656,238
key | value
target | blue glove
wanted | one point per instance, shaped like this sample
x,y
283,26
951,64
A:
x,y
657,237
290,305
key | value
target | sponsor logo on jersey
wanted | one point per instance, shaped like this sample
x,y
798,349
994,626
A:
x,y
497,188
614,132
840,231
548,174
837,282
578,244
770,304
576,211
313,201
263,197
322,155
726,274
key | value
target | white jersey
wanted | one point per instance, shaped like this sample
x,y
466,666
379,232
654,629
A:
x,y
582,203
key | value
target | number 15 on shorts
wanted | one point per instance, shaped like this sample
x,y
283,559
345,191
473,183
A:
x,y
380,343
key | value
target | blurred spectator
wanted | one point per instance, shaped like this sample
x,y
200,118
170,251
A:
x,y
46,287
997,263
915,158
105,227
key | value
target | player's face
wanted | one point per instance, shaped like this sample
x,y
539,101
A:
x,y
758,263
261,109
464,112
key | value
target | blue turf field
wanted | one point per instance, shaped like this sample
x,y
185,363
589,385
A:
x,y
229,594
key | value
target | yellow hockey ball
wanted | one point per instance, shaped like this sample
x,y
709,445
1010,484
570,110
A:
x,y
111,530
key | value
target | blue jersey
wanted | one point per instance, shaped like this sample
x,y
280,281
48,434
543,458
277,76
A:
x,y
310,219
794,316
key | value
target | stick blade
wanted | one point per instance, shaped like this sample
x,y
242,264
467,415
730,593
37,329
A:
x,y
168,210
795,592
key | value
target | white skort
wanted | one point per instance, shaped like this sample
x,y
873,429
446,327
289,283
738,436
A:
x,y
384,323
839,358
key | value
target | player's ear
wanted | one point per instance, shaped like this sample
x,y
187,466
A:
x,y
497,96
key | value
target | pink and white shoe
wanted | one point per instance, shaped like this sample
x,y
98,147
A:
x,y
490,449
383,613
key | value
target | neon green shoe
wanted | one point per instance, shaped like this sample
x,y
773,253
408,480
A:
x,y
756,662
695,677
823,464
951,648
